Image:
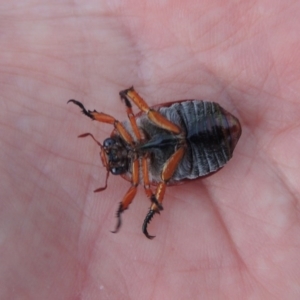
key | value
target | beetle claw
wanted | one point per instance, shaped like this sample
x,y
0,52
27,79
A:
x,y
146,222
118,215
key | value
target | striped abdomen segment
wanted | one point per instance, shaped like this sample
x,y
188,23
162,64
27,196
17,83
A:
x,y
211,136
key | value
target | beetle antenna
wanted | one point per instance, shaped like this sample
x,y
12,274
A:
x,y
100,145
103,188
89,134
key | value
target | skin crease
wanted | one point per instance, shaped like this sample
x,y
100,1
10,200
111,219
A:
x,y
233,235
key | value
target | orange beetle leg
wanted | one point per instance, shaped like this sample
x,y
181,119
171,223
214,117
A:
x,y
104,118
154,116
167,173
129,196
146,177
131,117
171,164
159,195
147,188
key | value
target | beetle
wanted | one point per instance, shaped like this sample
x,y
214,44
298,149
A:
x,y
164,145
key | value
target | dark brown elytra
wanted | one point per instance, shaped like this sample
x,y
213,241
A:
x,y
164,145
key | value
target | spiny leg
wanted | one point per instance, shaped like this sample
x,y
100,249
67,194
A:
x,y
167,173
104,118
154,116
154,208
129,196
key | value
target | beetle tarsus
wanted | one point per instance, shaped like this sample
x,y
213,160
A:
x,y
123,98
155,201
84,111
124,92
118,215
123,95
147,221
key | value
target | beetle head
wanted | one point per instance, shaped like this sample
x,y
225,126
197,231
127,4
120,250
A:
x,y
114,156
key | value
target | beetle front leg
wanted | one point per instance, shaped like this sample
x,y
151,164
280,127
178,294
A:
x,y
129,196
104,118
167,173
157,118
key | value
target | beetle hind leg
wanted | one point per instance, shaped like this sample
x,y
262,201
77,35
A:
x,y
147,188
154,208
167,173
147,220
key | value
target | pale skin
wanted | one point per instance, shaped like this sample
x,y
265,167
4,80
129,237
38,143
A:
x,y
234,235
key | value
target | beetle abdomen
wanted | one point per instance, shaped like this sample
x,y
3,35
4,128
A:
x,y
211,135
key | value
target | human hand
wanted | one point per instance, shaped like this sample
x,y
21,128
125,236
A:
x,y
233,235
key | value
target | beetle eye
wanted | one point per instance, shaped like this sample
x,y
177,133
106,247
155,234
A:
x,y
117,170
109,142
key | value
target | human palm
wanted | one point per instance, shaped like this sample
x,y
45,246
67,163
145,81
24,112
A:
x,y
233,235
